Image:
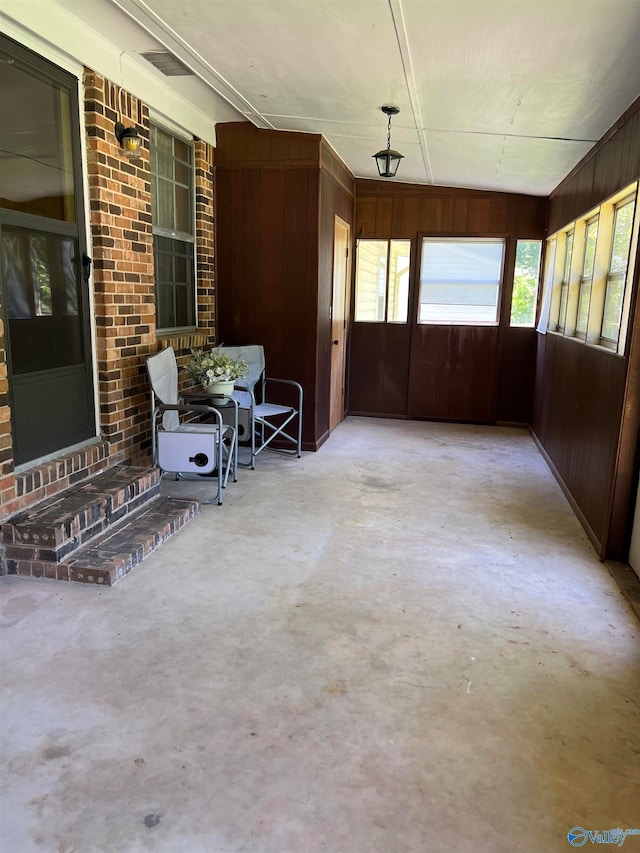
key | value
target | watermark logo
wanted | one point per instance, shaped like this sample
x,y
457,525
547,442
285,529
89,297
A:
x,y
578,837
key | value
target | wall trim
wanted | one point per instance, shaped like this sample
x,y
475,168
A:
x,y
599,548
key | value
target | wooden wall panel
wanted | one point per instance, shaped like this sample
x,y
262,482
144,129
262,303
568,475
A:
x,y
336,199
379,369
581,392
453,374
454,371
516,379
576,419
275,254
611,164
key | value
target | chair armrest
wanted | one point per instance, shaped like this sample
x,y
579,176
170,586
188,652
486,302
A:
x,y
290,382
192,409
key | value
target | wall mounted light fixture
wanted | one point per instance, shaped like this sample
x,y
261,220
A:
x,y
388,160
128,138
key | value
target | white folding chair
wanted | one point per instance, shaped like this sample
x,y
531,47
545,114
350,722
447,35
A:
x,y
265,422
187,448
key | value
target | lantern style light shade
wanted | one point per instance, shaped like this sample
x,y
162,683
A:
x,y
129,140
388,160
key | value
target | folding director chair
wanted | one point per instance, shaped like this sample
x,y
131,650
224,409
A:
x,y
187,448
261,422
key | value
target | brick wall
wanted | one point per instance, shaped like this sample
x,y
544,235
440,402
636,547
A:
x,y
123,283
119,203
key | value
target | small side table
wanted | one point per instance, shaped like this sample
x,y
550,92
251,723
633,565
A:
x,y
226,406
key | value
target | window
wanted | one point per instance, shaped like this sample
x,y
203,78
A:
x,y
382,281
564,287
172,210
586,287
616,279
524,295
584,295
460,280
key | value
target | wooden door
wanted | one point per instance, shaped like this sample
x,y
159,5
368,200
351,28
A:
x,y
341,241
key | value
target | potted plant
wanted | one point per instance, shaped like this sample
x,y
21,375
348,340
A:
x,y
216,371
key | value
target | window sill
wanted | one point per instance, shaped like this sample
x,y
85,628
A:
x,y
187,340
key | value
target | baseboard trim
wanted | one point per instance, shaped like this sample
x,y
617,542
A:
x,y
595,541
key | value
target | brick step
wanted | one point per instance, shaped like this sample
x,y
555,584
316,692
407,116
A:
x,y
110,556
115,553
53,529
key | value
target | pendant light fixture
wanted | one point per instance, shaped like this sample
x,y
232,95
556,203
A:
x,y
388,160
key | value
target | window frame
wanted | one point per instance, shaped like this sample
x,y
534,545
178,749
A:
x,y
178,236
502,239
585,286
567,289
541,245
387,272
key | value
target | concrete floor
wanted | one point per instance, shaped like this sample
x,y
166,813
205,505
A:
x,y
401,643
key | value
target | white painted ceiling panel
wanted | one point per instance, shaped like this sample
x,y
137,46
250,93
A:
x,y
496,94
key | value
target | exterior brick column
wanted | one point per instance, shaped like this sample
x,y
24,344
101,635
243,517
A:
x,y
120,211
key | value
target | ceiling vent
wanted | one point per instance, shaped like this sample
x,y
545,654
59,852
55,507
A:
x,y
169,64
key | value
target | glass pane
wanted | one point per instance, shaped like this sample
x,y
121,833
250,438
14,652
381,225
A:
x,y
621,237
583,306
524,295
183,305
183,210
175,283
182,150
35,142
460,280
183,173
567,257
613,309
162,153
164,205
399,260
41,293
590,248
371,281
562,316
164,306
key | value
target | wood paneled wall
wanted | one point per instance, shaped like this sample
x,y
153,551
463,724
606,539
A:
x,y
444,372
586,407
276,195
610,165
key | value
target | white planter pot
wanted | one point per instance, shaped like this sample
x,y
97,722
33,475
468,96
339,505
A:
x,y
220,389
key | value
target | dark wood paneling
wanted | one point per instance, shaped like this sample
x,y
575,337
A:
x,y
582,392
393,210
454,372
517,376
336,199
379,369
577,411
611,164
275,254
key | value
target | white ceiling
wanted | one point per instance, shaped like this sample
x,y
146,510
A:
x,y
495,94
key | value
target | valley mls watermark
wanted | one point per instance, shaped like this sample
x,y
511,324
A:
x,y
578,836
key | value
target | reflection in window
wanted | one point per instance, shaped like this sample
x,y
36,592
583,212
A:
x,y
39,274
382,281
460,280
616,279
37,163
172,197
524,296
564,287
584,296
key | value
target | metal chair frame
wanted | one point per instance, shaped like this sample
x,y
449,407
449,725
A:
x,y
173,440
262,430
